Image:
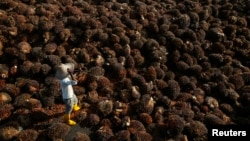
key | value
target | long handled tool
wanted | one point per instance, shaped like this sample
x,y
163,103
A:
x,y
70,73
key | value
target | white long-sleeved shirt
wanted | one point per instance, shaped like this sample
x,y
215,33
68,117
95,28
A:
x,y
66,87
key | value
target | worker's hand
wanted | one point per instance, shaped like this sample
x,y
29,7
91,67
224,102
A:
x,y
73,77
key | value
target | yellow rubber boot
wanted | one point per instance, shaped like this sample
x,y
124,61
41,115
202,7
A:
x,y
68,120
76,108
